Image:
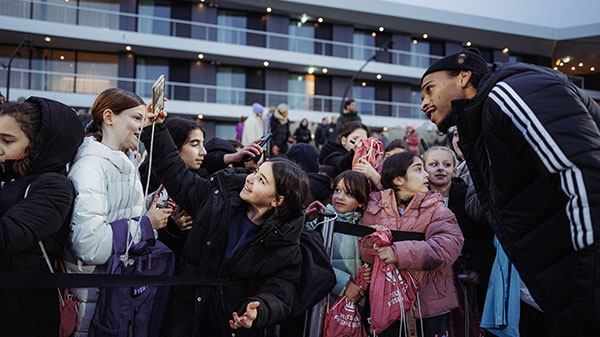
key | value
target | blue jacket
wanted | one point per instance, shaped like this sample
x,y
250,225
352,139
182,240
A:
x,y
503,299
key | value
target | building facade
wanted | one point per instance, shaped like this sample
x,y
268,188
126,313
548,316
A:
x,y
219,57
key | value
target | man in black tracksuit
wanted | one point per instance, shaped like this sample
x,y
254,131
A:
x,y
531,140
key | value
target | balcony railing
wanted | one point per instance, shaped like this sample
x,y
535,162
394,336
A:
x,y
94,84
71,13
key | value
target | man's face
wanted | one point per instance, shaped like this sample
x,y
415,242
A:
x,y
438,90
352,107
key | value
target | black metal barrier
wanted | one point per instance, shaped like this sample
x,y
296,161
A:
x,y
61,280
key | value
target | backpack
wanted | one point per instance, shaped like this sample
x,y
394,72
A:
x,y
133,311
318,277
372,151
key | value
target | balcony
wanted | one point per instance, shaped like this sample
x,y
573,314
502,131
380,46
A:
x,y
27,82
113,20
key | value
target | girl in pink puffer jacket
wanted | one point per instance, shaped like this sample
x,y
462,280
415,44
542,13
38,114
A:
x,y
407,204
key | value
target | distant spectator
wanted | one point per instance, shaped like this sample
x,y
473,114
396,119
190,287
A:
x,y
395,146
383,139
332,130
2,99
349,115
253,126
307,157
85,119
341,153
302,133
321,133
280,130
411,137
239,129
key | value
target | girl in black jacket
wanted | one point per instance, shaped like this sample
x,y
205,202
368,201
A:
x,y
339,155
38,138
245,234
302,133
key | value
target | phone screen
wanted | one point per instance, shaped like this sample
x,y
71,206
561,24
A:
x,y
158,95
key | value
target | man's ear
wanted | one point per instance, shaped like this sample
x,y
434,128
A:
x,y
107,116
278,201
465,78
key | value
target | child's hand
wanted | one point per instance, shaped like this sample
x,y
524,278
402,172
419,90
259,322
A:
x,y
387,254
313,209
367,274
353,292
379,228
247,318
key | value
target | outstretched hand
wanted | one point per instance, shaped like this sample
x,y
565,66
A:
x,y
246,320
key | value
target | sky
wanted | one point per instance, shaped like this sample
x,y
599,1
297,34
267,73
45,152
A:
x,y
547,13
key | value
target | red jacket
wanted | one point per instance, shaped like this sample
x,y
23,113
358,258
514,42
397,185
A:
x,y
429,261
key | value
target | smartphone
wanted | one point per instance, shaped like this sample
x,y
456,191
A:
x,y
163,198
262,144
158,95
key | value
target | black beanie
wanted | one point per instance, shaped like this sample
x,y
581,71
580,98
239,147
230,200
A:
x,y
467,59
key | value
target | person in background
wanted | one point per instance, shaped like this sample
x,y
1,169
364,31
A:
x,y
280,130
348,115
321,133
2,99
38,139
341,153
302,133
253,126
332,130
239,129
307,157
411,137
395,146
108,190
188,136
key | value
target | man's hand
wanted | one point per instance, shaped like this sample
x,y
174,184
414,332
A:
x,y
246,320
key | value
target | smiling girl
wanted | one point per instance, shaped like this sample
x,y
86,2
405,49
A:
x,y
406,204
246,232
108,189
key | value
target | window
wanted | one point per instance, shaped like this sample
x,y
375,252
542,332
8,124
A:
x,y
360,40
225,130
148,70
231,19
18,78
415,98
98,18
55,11
61,64
96,64
157,9
365,97
228,79
306,30
302,89
422,48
